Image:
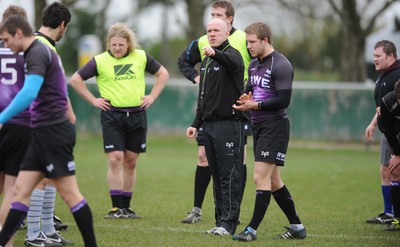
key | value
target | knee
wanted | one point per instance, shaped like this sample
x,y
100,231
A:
x,y
70,198
20,192
258,180
114,161
130,164
385,173
395,176
202,158
276,185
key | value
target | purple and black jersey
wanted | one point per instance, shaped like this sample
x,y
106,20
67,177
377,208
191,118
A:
x,y
266,78
12,76
50,106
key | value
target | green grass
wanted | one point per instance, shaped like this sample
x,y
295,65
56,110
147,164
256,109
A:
x,y
335,190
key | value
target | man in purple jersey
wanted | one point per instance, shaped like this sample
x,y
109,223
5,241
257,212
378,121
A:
x,y
15,135
50,152
41,220
267,95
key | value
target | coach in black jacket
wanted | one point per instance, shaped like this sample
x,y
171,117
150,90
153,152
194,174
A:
x,y
389,115
221,83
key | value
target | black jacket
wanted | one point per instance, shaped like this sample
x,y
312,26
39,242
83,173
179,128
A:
x,y
190,57
390,115
221,84
385,84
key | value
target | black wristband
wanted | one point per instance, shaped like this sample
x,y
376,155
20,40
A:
x,y
259,105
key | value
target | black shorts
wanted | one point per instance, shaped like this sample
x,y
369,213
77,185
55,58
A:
x,y
14,141
246,127
271,139
124,131
200,137
51,150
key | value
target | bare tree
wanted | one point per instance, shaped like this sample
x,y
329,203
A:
x,y
357,20
354,35
39,6
195,10
165,44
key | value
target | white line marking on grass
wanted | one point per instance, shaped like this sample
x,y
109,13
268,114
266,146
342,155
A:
x,y
386,237
342,236
155,229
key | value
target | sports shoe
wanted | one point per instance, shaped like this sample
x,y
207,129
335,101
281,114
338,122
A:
x,y
220,231
382,218
394,226
58,224
41,241
128,213
211,231
56,238
248,234
114,213
293,234
192,217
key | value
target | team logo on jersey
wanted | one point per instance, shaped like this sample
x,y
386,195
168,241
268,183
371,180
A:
x,y
50,168
109,146
71,166
267,73
216,68
264,153
280,156
124,72
261,81
229,145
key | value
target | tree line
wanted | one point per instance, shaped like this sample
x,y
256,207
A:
x,y
330,37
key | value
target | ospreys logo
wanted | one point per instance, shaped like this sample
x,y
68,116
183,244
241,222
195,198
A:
x,y
124,72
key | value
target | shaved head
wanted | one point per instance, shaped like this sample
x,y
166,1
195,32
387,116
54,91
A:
x,y
217,32
219,22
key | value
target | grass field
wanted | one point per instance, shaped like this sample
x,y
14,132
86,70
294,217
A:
x,y
335,190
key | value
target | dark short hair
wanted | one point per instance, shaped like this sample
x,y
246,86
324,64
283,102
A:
x,y
12,23
54,14
388,47
227,5
260,29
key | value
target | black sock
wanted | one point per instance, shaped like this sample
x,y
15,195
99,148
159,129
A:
x,y
243,182
14,219
286,203
126,199
396,198
201,181
116,198
263,198
84,219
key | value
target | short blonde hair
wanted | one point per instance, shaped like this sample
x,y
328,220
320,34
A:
x,y
262,30
119,29
14,10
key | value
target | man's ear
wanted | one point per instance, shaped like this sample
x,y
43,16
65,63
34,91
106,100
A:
x,y
230,20
62,25
265,41
19,33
